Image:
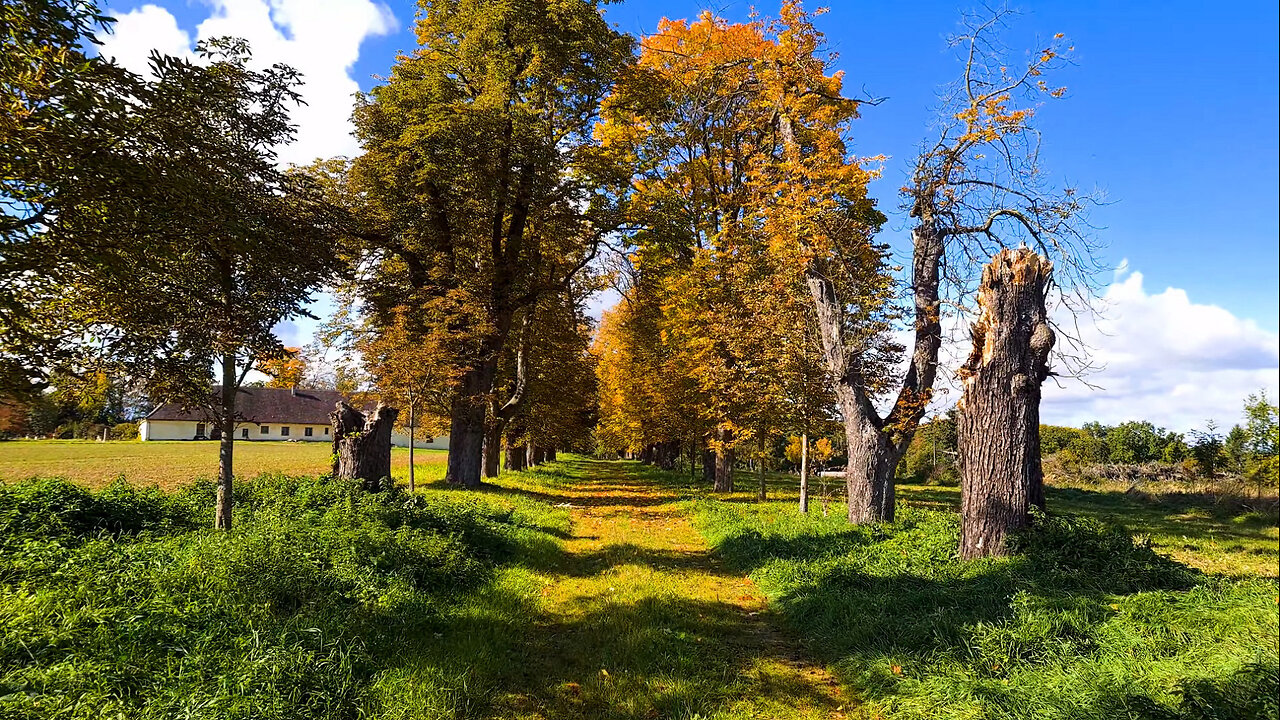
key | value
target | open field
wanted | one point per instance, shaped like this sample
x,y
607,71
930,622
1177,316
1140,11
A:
x,y
172,464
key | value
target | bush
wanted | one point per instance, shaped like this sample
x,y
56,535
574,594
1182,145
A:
x,y
124,603
124,431
54,508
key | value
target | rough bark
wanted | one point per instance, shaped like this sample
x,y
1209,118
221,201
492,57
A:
x,y
226,445
412,438
467,426
804,473
515,456
999,418
530,454
362,445
708,466
875,444
491,453
763,492
724,461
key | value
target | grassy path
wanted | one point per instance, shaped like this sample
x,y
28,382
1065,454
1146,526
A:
x,y
639,620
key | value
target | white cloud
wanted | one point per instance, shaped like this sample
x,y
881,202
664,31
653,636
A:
x,y
1166,359
138,32
319,38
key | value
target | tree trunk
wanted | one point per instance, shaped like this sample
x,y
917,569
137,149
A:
x,y
226,444
868,477
530,454
515,455
804,473
550,455
709,466
876,445
412,486
492,451
724,461
362,445
467,425
763,494
999,418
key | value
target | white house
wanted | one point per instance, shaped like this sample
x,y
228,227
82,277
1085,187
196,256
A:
x,y
267,414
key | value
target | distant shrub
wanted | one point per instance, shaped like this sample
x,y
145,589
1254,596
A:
x,y
124,431
1054,438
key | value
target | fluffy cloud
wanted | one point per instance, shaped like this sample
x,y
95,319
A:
x,y
1166,359
320,39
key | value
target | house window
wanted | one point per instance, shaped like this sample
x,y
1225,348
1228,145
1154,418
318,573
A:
x,y
244,433
307,431
326,431
265,430
199,429
284,431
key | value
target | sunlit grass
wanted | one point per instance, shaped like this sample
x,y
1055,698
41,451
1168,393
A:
x,y
171,464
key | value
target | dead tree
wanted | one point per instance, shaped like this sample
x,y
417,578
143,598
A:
x,y
976,189
362,444
999,418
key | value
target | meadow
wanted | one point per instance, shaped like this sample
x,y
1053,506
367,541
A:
x,y
172,464
588,589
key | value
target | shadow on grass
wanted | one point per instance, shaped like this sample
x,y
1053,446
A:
x,y
657,657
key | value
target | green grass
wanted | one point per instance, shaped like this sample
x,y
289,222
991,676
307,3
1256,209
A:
x,y
1084,622
122,604
174,464
583,590
1216,538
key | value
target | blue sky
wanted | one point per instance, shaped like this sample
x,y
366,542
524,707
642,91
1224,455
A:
x,y
1171,111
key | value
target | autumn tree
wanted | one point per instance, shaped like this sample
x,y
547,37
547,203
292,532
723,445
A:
x,y
559,407
285,369
702,119
483,188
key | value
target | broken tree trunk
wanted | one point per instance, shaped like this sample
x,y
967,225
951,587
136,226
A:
x,y
999,419
362,445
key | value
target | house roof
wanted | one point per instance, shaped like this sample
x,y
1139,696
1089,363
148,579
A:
x,y
264,406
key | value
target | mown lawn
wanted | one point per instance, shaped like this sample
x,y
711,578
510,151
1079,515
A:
x,y
173,464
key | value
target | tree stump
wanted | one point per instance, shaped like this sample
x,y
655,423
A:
x,y
999,418
362,445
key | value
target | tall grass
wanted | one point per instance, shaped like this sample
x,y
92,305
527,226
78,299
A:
x,y
122,604
1084,622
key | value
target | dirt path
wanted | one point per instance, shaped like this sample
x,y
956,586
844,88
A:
x,y
640,620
